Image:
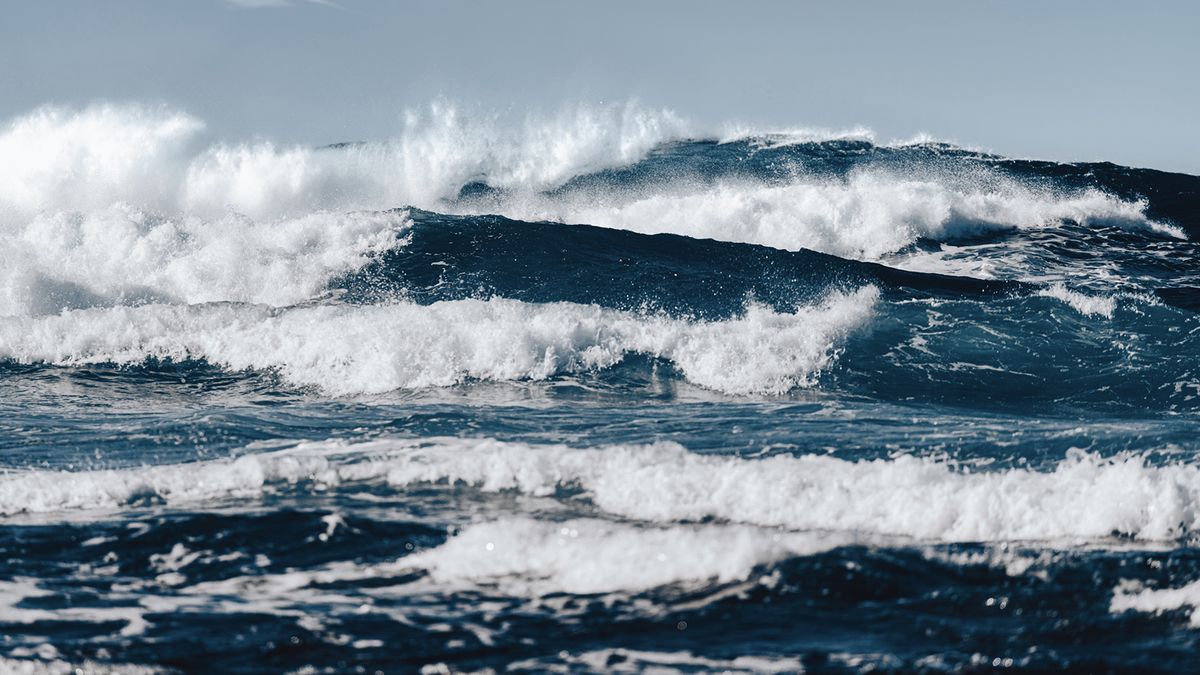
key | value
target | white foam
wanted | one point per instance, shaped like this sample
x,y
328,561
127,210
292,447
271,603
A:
x,y
1084,498
120,204
60,159
1133,596
49,491
126,204
60,667
1088,305
153,158
121,255
13,593
526,557
347,350
866,216
436,154
619,660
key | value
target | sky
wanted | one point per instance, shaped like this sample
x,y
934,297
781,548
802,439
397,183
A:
x,y
1061,80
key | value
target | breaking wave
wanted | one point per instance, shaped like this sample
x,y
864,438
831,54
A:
x,y
347,349
1084,498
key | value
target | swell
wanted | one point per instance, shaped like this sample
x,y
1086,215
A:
x,y
579,161
126,242
441,315
447,257
119,205
123,256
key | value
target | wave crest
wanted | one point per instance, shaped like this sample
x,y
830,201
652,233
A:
x,y
347,350
866,216
1084,498
122,255
60,159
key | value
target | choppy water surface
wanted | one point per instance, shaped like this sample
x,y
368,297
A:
x,y
598,393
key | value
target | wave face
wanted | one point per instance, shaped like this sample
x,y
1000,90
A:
x,y
590,390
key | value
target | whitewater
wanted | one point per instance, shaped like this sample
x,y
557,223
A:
x,y
587,390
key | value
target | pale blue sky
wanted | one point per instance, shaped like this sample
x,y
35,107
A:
x,y
1061,80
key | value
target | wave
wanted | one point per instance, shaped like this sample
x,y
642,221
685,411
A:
x,y
865,202
121,255
60,159
527,557
1084,498
124,256
452,257
866,216
347,350
1088,305
760,137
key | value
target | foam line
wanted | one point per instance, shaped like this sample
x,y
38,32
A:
x,y
346,350
1084,498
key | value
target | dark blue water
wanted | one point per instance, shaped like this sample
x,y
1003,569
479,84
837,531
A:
x,y
759,405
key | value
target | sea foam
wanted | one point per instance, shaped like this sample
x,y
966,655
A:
x,y
346,349
1084,498
154,159
1133,596
121,255
1088,305
528,557
865,216
60,159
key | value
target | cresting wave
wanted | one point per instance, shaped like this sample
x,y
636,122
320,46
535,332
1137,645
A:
x,y
121,255
865,216
142,175
151,157
1084,498
346,349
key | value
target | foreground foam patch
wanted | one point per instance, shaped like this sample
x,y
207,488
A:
x,y
1085,498
1133,596
527,557
345,350
642,661
59,667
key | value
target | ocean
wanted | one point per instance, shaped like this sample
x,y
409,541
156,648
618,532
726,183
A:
x,y
591,391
